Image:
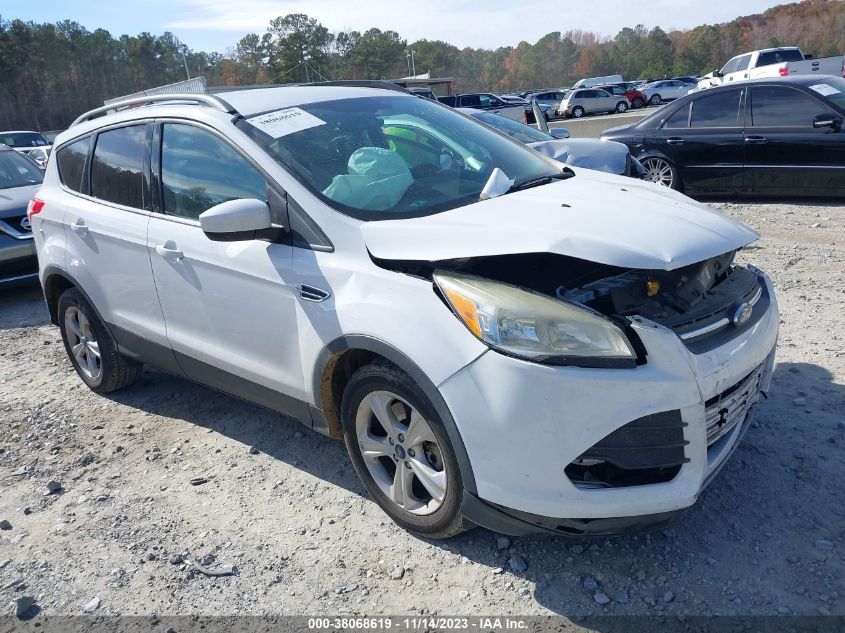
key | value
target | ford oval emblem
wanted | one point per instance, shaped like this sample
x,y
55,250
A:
x,y
742,314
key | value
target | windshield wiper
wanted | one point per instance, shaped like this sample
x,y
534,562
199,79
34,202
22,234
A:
x,y
543,180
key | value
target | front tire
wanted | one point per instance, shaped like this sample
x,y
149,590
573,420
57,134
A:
x,y
637,103
577,112
91,348
655,100
621,107
401,451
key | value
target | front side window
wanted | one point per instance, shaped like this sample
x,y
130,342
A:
x,y
719,110
200,170
17,171
392,156
742,62
731,66
117,169
72,163
783,107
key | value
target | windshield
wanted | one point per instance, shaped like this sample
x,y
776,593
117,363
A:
x,y
22,139
516,130
17,171
833,89
389,157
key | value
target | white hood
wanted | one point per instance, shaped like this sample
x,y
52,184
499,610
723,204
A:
x,y
597,217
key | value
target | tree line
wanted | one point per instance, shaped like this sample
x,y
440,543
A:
x,y
50,73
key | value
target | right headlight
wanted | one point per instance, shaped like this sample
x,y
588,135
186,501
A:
x,y
533,326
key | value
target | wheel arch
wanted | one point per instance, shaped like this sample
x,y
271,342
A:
x,y
342,356
56,281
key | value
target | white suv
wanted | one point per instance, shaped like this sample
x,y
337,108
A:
x,y
500,339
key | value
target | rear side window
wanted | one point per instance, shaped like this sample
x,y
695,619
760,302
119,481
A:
x,y
117,170
783,107
719,110
72,163
200,170
679,119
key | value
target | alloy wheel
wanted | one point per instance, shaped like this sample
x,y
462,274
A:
x,y
655,100
621,107
659,171
83,343
401,452
578,113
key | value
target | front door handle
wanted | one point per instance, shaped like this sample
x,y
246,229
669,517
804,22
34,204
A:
x,y
79,227
169,250
674,140
756,140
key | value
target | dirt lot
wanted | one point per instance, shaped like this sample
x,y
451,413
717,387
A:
x,y
767,537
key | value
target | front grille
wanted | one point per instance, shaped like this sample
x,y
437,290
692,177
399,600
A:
x,y
18,227
731,406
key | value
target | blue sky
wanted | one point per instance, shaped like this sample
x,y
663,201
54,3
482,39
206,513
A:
x,y
215,25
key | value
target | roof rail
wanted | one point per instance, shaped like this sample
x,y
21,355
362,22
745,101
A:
x,y
384,84
211,101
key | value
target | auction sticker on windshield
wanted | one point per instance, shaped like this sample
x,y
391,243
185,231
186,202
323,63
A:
x,y
824,89
283,122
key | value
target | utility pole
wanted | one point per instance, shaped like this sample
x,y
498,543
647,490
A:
x,y
412,66
185,59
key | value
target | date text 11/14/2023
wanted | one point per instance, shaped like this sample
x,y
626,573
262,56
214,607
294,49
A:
x,y
418,623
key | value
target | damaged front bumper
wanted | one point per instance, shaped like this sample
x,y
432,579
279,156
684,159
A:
x,y
524,424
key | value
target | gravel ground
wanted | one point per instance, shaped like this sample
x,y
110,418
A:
x,y
283,512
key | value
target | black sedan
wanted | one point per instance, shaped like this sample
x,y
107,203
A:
x,y
20,178
775,137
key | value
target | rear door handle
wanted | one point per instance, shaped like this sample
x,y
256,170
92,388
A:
x,y
79,227
756,140
169,250
674,140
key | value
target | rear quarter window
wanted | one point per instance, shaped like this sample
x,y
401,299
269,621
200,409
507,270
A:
x,y
71,159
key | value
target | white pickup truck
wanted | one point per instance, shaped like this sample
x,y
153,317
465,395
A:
x,y
773,62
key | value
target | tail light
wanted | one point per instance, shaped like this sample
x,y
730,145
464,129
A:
x,y
783,71
34,207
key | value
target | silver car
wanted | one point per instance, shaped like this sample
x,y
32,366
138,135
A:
x,y
665,90
577,103
550,99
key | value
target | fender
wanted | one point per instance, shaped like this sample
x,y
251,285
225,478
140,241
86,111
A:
x,y
387,351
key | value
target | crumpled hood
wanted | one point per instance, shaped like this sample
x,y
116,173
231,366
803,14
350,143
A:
x,y
591,153
13,201
594,216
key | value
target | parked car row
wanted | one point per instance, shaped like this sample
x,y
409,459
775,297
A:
x,y
33,144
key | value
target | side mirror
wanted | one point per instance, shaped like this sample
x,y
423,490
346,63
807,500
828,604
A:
x,y
559,132
827,120
235,220
718,73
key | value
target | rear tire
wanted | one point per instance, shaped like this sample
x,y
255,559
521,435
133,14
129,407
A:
x,y
660,171
410,468
91,348
655,100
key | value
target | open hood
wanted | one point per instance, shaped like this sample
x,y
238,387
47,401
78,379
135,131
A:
x,y
593,216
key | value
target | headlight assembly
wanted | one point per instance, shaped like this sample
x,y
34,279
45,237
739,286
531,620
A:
x,y
532,326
